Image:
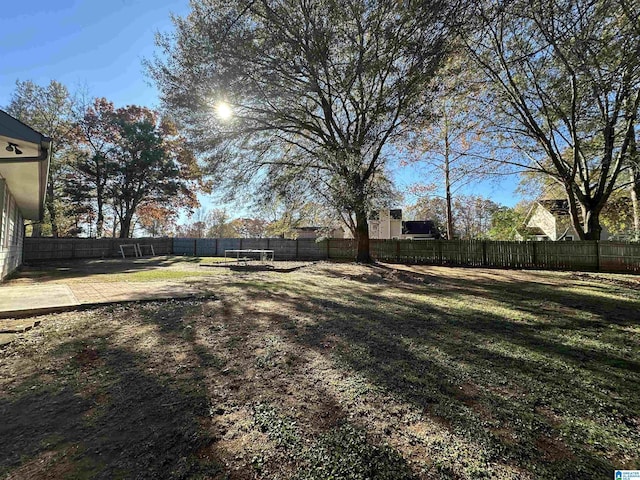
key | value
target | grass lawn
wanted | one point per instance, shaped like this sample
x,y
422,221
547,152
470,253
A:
x,y
335,371
116,270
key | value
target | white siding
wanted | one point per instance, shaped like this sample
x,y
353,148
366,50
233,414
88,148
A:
x,y
545,221
11,232
385,227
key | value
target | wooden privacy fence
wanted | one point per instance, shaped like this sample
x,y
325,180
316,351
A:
x,y
580,256
587,256
43,248
301,249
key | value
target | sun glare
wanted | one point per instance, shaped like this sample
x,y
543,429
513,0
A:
x,y
223,111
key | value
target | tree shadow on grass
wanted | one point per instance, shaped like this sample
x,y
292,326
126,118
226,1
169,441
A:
x,y
107,417
547,382
532,296
539,394
72,269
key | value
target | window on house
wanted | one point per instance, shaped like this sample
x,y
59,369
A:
x,y
568,238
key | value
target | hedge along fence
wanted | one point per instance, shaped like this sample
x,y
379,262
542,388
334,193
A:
x,y
43,248
580,256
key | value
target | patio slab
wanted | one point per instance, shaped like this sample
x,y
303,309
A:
x,y
112,292
35,299
30,300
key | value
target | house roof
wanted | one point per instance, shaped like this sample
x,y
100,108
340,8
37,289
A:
x,y
530,231
557,207
24,164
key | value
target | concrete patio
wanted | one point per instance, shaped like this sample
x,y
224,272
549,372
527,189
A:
x,y
21,301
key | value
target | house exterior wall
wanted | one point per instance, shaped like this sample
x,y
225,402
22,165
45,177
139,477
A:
x,y
385,227
374,228
11,232
340,232
545,221
395,229
307,234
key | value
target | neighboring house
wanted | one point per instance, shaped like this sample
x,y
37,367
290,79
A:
x,y
307,232
550,220
319,232
385,224
24,166
420,230
388,224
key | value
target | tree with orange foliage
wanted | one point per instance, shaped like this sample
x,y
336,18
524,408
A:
x,y
136,162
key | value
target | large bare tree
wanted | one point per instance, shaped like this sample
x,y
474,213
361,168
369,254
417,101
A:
x,y
321,87
565,79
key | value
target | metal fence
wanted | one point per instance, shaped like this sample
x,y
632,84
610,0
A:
x,y
579,256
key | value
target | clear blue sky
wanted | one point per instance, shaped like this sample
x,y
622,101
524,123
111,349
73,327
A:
x,y
96,44
99,45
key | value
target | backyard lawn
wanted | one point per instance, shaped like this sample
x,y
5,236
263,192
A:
x,y
334,371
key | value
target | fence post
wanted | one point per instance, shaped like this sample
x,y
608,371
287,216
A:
x,y
328,240
484,253
534,254
597,255
240,248
439,251
296,240
397,251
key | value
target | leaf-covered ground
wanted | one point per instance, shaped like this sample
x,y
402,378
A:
x,y
335,371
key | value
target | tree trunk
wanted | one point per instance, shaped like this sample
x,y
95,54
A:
x,y
100,216
125,226
99,224
447,183
634,190
593,229
36,229
51,208
362,237
448,197
590,227
635,202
